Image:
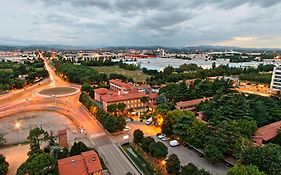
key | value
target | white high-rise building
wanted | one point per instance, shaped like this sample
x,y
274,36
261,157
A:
x,y
275,86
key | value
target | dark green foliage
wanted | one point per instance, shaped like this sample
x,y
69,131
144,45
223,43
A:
x,y
138,136
158,150
36,136
146,142
191,169
257,77
266,158
128,66
99,62
173,164
118,76
9,72
277,139
3,165
144,99
263,110
78,148
43,164
245,170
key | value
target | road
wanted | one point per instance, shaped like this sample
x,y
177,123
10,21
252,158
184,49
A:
x,y
29,99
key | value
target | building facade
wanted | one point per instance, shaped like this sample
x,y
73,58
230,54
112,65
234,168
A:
x,y
275,86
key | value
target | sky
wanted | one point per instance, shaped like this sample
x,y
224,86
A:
x,y
178,23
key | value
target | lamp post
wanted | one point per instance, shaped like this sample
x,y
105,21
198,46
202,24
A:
x,y
17,126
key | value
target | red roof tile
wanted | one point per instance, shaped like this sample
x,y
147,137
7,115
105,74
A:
x,y
115,97
190,102
122,84
101,91
269,131
84,164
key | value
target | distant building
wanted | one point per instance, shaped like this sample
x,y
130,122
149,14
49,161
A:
x,y
88,163
267,132
275,86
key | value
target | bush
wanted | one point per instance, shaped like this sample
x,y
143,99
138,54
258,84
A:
x,y
173,164
158,150
138,136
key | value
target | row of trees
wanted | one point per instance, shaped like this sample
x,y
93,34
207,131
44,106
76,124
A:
x,y
99,62
200,88
110,123
262,110
170,74
4,165
257,77
10,71
127,66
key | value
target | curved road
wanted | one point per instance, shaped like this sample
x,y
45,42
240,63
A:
x,y
28,99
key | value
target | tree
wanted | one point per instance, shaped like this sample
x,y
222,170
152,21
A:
x,y
173,164
161,99
39,163
191,169
112,108
213,153
121,107
144,99
245,170
77,148
86,88
158,150
138,136
146,142
266,158
36,136
3,165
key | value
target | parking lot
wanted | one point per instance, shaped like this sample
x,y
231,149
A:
x,y
190,156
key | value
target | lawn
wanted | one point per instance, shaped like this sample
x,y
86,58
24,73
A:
x,y
137,75
138,160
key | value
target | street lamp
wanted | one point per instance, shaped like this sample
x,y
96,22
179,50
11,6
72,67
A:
x,y
17,126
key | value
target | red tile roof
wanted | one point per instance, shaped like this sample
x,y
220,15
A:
x,y
268,132
122,84
115,97
152,95
189,103
84,164
62,134
101,91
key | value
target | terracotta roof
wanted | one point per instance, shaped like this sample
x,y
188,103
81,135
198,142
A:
x,y
268,132
190,102
115,97
122,84
92,161
62,134
84,164
152,95
101,91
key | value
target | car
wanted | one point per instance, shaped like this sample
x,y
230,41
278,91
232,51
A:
x,y
149,121
160,136
165,139
174,143
127,128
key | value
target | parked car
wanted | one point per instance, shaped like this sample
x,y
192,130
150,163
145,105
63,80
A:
x,y
174,143
127,128
161,136
165,139
149,121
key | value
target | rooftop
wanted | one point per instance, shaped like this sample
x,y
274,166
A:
x,y
115,97
191,102
101,91
268,132
122,84
84,164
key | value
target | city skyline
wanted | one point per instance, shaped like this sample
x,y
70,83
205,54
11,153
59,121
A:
x,y
251,24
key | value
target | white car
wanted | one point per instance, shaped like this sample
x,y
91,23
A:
x,y
174,143
127,128
161,136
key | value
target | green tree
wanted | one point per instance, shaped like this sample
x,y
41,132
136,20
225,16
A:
x,y
173,164
146,142
2,139
77,148
245,170
36,136
40,163
121,107
3,165
213,153
266,158
144,99
161,99
158,150
112,108
138,136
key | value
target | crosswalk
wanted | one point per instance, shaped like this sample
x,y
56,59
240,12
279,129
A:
x,y
93,136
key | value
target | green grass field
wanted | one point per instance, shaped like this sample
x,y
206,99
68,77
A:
x,y
137,75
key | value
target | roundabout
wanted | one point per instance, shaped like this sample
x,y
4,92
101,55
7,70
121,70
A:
x,y
58,91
